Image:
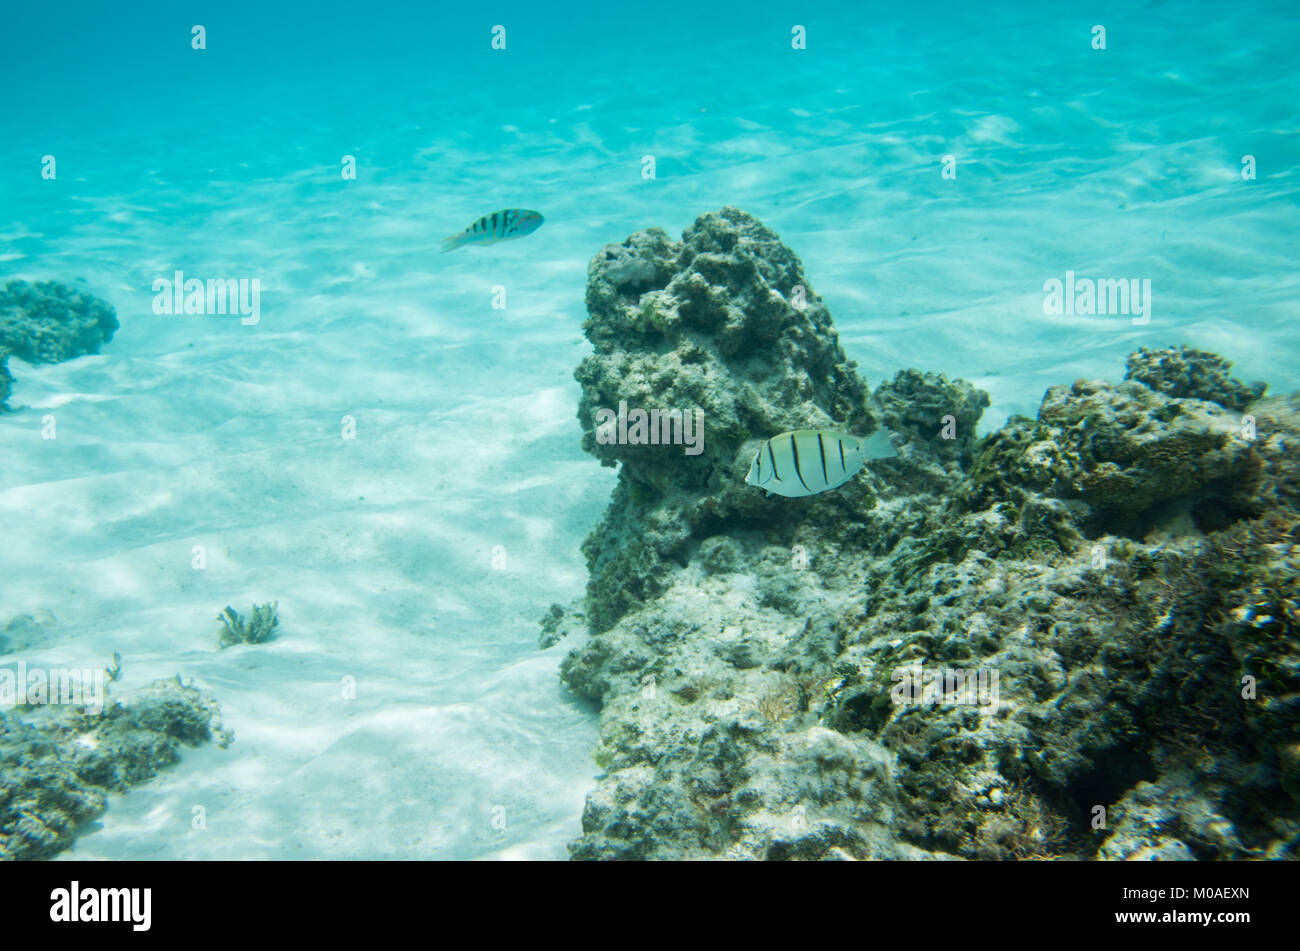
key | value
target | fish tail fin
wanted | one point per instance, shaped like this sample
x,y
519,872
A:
x,y
879,446
450,244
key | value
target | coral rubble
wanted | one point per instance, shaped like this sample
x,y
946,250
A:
x,y
1124,566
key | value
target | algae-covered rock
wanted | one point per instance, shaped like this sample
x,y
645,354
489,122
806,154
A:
x,y
26,631
1260,564
1126,659
711,605
1110,561
721,327
927,407
42,799
725,323
1176,819
257,628
1116,576
57,764
49,322
1180,372
559,623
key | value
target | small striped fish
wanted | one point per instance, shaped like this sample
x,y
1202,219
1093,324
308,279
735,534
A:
x,y
498,226
808,461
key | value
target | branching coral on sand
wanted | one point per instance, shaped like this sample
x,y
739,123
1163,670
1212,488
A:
x,y
261,627
6,379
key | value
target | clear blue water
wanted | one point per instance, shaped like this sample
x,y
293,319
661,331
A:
x,y
1115,163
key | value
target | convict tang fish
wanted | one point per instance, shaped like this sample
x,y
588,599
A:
x,y
808,461
498,226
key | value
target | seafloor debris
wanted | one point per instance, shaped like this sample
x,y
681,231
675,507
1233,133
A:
x,y
1125,564
59,763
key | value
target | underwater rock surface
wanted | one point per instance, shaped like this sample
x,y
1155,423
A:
x,y
49,322
1120,563
58,764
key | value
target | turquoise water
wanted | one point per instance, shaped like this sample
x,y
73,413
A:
x,y
1116,163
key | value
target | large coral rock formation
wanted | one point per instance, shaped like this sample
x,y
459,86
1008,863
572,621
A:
x,y
49,322
1111,560
1121,562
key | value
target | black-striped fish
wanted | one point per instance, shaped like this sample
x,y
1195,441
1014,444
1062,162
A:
x,y
498,226
808,461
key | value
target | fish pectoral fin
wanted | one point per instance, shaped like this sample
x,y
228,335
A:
x,y
879,446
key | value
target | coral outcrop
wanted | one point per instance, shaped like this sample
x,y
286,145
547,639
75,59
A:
x,y
1117,575
58,764
1135,457
1181,372
257,628
26,631
49,322
723,322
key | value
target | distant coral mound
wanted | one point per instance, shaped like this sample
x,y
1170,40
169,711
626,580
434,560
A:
x,y
49,322
1126,564
6,379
